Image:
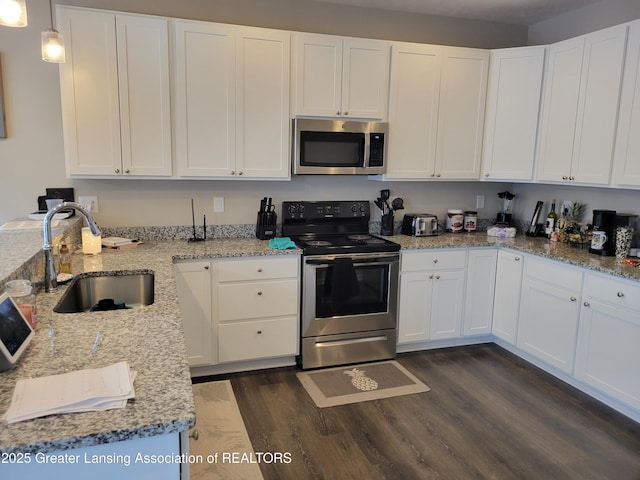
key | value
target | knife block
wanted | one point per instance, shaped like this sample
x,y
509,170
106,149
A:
x,y
266,225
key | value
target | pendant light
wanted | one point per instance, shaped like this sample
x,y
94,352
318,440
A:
x,y
13,13
52,42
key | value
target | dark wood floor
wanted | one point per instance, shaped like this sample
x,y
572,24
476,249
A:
x,y
488,415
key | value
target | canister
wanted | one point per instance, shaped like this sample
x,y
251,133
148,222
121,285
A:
x,y
455,220
470,221
22,293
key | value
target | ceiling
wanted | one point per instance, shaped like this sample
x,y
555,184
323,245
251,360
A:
x,y
520,12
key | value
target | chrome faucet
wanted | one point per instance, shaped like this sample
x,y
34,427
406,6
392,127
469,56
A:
x,y
50,272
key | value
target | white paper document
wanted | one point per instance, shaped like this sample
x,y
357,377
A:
x,y
78,391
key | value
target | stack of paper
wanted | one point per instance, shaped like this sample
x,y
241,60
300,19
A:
x,y
118,242
80,391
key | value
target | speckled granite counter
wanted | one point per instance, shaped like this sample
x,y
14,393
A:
x,y
561,252
151,339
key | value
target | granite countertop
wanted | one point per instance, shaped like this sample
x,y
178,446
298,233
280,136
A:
x,y
561,252
150,339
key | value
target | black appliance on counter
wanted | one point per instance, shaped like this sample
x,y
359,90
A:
x,y
607,221
349,283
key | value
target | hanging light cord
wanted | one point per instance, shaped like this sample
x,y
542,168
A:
x,y
51,13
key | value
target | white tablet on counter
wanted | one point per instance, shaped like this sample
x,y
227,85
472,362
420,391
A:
x,y
15,332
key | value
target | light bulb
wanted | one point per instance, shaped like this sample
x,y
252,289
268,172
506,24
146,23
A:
x,y
13,13
52,46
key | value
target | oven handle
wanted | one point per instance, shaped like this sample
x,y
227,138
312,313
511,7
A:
x,y
368,261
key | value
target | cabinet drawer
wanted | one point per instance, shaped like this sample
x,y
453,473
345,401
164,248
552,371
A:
x,y
436,259
263,268
258,339
257,299
620,293
554,273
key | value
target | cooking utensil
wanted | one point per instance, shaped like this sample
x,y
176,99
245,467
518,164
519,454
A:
x,y
397,204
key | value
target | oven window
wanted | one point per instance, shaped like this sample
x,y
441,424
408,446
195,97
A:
x,y
331,149
355,290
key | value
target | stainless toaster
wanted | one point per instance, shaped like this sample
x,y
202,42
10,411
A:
x,y
420,224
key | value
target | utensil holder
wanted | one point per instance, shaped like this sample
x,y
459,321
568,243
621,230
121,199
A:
x,y
386,225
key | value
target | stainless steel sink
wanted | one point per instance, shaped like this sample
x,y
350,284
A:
x,y
91,292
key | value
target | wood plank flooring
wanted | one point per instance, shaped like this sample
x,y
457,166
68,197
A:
x,y
488,415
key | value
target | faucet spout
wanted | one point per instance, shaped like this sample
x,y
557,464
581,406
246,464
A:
x,y
50,272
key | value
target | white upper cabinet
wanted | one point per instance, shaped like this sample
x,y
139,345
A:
x,y
513,107
340,77
580,107
232,101
626,171
436,111
115,93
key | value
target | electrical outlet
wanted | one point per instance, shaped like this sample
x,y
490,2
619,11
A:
x,y
90,203
479,201
218,204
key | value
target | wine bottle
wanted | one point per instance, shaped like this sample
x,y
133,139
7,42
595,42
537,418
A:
x,y
552,218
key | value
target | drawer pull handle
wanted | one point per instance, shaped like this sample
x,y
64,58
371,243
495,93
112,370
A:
x,y
620,294
573,299
586,304
259,332
259,293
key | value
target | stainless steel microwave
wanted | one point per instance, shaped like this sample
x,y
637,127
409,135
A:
x,y
338,147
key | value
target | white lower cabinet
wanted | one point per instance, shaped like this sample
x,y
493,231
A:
x,y
431,295
608,357
506,303
478,304
236,310
549,312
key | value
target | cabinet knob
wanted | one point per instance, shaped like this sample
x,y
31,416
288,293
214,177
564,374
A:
x,y
620,294
195,434
433,175
586,304
260,270
486,174
346,113
438,175
259,292
259,332
564,177
435,260
338,112
431,277
573,299
206,267
233,172
117,170
127,171
239,173
437,277
517,259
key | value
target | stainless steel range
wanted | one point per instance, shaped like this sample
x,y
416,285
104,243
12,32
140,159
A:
x,y
349,283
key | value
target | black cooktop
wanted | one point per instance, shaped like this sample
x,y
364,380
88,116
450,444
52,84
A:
x,y
337,244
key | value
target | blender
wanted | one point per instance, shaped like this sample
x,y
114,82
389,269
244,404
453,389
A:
x,y
505,218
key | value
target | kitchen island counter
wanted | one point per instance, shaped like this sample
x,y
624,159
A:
x,y
150,339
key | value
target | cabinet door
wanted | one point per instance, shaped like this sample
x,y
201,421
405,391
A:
x,y
262,88
365,78
413,110
608,357
513,107
626,166
447,306
560,108
193,282
204,99
463,91
318,75
598,105
549,323
89,92
415,307
145,100
478,305
507,295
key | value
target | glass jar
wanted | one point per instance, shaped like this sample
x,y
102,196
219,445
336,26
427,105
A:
x,y
22,293
470,221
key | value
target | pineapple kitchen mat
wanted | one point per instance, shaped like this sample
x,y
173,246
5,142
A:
x,y
359,383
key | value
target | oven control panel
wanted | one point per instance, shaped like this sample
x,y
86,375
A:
x,y
329,209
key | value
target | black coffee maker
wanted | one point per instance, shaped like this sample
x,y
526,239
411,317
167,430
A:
x,y
604,221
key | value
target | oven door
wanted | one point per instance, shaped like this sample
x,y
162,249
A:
x,y
349,293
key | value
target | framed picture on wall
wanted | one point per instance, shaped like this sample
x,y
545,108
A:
x,y
3,123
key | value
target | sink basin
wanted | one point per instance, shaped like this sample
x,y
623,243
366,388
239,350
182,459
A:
x,y
108,291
